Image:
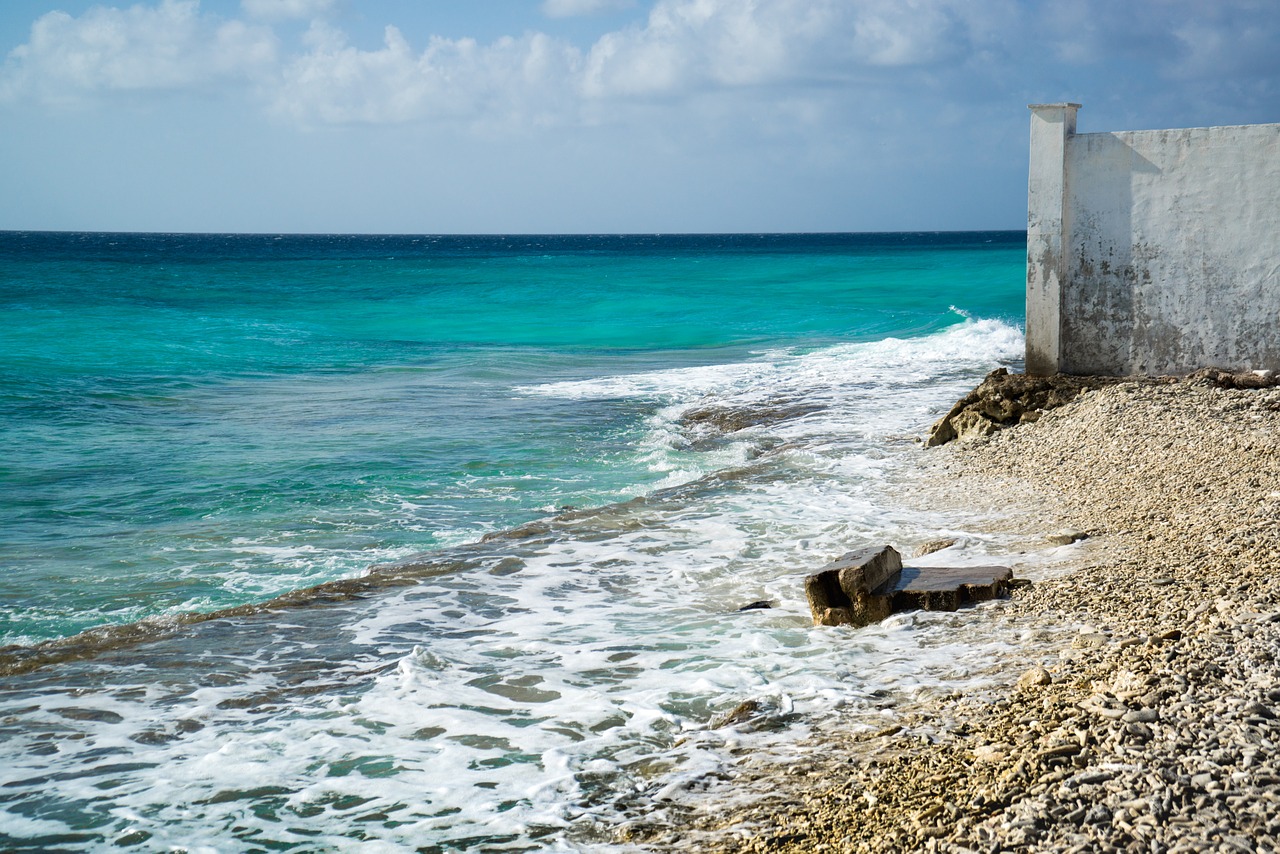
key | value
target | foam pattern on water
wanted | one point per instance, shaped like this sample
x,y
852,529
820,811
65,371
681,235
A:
x,y
564,686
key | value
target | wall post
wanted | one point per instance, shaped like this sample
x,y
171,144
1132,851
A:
x,y
1047,233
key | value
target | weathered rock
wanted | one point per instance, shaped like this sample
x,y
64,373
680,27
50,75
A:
x,y
1004,399
1066,538
732,419
934,546
1219,378
740,713
866,586
941,588
1036,677
844,592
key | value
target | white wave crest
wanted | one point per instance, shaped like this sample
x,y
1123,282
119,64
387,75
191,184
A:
x,y
961,349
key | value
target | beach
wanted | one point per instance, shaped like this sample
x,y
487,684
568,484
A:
x,y
1138,709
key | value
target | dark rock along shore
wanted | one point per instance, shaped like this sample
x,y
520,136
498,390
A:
x,y
1142,714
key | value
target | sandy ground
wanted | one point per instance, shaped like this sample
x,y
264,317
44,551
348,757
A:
x,y
1142,713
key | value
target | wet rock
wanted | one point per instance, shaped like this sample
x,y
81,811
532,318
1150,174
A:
x,y
758,605
1066,538
866,586
725,419
934,546
740,713
848,591
940,588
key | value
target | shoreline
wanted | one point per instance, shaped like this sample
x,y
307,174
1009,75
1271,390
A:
x,y
1141,709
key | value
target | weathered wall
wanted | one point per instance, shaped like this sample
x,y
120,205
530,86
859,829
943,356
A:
x,y
1169,255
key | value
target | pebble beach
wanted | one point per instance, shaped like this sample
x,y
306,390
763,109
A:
x,y
1139,712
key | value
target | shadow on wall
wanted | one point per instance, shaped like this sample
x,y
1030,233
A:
x,y
1106,265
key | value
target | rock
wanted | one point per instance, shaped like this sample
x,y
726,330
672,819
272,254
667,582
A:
x,y
844,591
1005,399
1089,640
1143,716
1034,678
740,713
1066,538
758,605
865,587
934,546
733,419
941,588
1218,378
990,753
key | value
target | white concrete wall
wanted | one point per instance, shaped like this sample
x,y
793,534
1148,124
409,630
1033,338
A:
x,y
1171,252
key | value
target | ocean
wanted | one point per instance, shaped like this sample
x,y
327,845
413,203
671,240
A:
x,y
437,543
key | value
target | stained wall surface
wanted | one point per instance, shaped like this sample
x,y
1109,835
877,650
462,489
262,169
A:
x,y
1170,252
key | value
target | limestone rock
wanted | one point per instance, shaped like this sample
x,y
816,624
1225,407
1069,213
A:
x,y
740,713
866,586
1219,378
732,419
1036,677
934,546
1004,399
844,592
1066,538
941,588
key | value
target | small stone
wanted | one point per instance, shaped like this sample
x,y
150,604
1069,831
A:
x,y
1145,716
1066,538
1034,678
1089,640
988,753
738,714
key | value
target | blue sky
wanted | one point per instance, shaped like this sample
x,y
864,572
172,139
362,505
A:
x,y
587,115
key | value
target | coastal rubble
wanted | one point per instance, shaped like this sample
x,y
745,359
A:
x,y
1004,399
1142,712
864,587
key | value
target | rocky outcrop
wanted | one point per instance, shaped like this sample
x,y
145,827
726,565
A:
x,y
731,419
1004,399
864,587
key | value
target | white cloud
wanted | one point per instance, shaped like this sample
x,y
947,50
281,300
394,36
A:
x,y
280,10
579,8
452,78
693,44
815,52
166,47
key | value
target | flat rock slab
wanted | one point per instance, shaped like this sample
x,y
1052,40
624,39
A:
x,y
864,587
946,588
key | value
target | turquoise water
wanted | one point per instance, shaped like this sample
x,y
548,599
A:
x,y
198,421
193,423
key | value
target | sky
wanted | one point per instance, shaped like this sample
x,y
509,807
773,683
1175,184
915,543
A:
x,y
595,116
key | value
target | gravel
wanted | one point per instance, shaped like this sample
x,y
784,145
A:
x,y
1153,728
